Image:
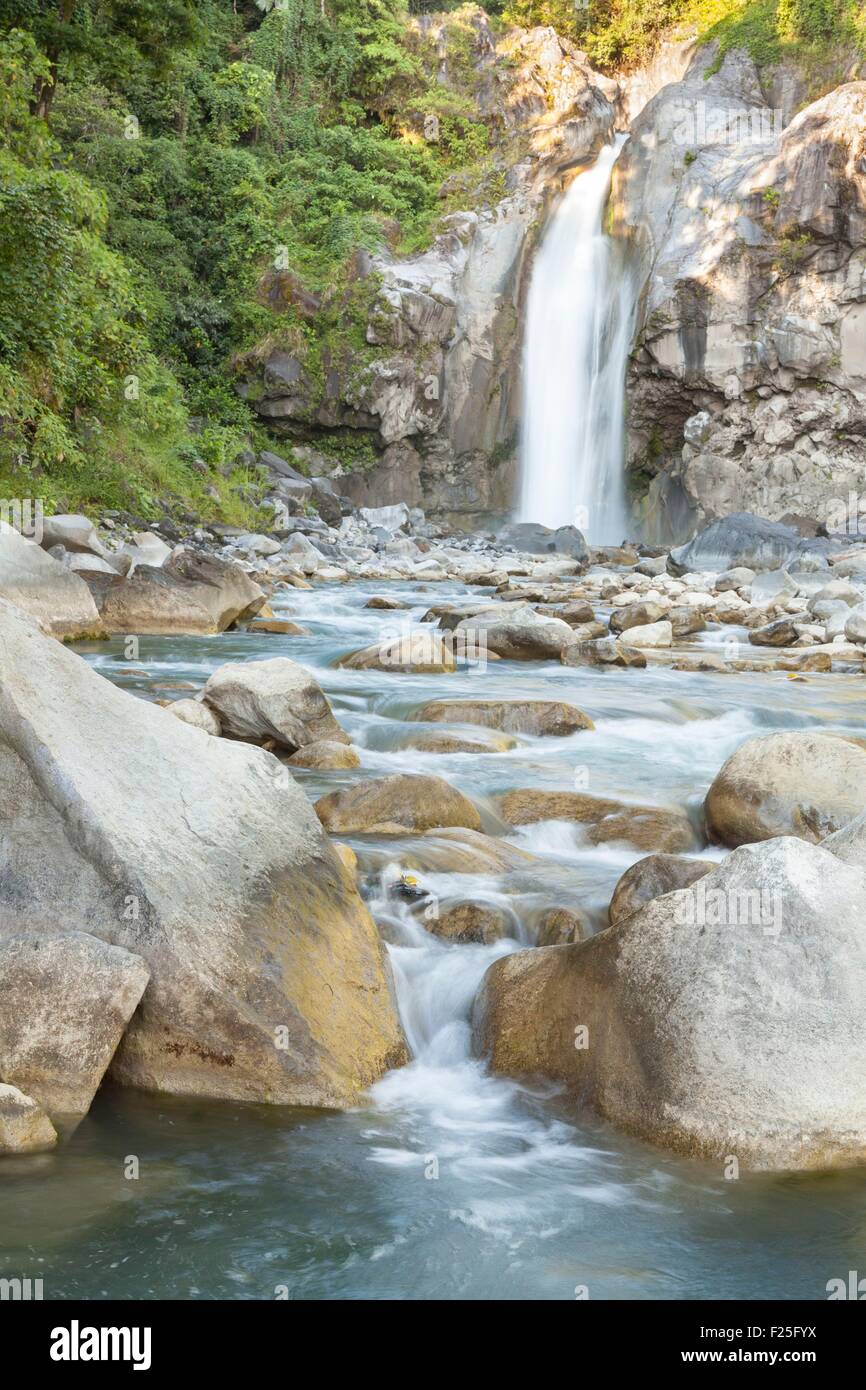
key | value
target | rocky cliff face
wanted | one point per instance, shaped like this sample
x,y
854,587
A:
x,y
747,384
433,381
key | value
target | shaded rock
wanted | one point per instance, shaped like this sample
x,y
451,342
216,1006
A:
x,y
855,624
327,755
800,784
204,857
67,999
739,540
197,714
391,805
651,878
576,613
685,621
562,926
781,633
41,586
473,922
275,699
24,1126
676,1049
538,717
534,539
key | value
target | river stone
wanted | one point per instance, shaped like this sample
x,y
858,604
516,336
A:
x,y
538,717
562,926
190,593
577,613
521,635
204,857
804,784
855,624
24,1126
58,599
456,742
278,627
393,805
275,698
651,635
384,601
652,877
646,827
741,540
67,999
326,755
780,633
723,1019
685,621
468,922
197,714
603,651
421,653
534,539
636,615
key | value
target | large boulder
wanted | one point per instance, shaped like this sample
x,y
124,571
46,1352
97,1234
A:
x,y
722,1020
801,784
273,699
539,717
190,593
204,857
39,584
67,999
392,805
741,539
24,1126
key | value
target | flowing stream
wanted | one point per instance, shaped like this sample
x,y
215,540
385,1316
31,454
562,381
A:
x,y
449,1182
579,328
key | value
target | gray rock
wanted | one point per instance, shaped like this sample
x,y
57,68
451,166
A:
x,y
741,539
273,699
672,1046
533,539
36,583
204,857
74,532
197,714
67,1000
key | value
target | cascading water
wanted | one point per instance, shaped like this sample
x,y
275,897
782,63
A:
x,y
579,326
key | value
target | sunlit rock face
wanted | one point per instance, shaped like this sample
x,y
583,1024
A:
x,y
747,384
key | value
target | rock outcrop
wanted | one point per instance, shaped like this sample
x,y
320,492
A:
x,y
747,386
204,858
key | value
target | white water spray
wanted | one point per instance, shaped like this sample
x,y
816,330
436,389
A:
x,y
580,318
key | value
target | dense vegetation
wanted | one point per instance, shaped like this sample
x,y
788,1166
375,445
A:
x,y
173,173
182,181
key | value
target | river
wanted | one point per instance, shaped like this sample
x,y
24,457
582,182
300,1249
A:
x,y
449,1183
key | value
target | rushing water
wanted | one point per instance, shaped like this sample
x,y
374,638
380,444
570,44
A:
x,y
579,326
448,1183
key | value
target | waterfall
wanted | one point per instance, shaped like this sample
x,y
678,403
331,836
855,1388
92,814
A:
x,y
579,327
